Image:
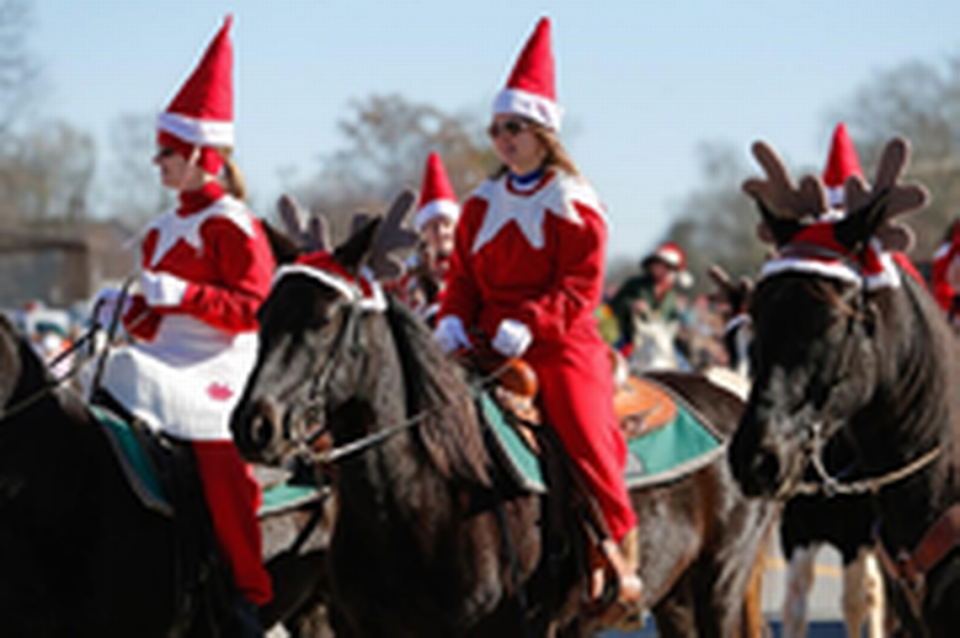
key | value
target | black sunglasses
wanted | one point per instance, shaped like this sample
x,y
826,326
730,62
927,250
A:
x,y
164,152
512,127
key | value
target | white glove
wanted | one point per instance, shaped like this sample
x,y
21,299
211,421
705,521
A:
x,y
162,289
512,338
451,335
106,306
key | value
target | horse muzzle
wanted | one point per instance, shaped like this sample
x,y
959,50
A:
x,y
258,431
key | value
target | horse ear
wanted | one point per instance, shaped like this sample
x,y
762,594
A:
x,y
285,250
872,210
774,229
353,253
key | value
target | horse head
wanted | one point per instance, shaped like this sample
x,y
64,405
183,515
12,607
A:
x,y
827,315
311,350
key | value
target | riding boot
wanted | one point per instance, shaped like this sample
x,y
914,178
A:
x,y
616,586
631,586
247,619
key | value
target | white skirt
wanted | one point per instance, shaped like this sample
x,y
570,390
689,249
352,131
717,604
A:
x,y
185,382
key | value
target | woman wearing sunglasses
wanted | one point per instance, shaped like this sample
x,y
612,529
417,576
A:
x,y
527,273
206,268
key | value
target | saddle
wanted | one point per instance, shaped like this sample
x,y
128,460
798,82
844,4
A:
x,y
204,579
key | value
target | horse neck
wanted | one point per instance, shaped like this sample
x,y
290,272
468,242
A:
x,y
411,470
913,412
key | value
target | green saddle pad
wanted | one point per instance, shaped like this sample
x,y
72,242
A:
x,y
513,452
675,449
283,497
684,445
133,460
142,477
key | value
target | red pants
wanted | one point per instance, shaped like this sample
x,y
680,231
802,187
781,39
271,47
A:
x,y
576,393
233,497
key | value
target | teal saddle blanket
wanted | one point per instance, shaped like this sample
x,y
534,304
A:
x,y
666,437
142,476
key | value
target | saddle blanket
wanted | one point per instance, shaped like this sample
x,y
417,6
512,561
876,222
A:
x,y
142,476
666,438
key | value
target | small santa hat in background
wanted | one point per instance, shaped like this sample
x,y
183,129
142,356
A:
x,y
531,90
437,198
201,114
842,164
671,254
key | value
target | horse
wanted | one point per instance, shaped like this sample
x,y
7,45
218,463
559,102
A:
x,y
811,520
850,345
82,555
430,539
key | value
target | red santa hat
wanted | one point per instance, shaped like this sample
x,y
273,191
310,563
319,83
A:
x,y
200,118
437,198
672,255
531,90
842,164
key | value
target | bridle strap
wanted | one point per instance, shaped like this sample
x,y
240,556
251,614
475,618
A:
x,y
830,485
322,377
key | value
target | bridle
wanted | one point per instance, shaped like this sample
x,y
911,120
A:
x,y
315,405
812,453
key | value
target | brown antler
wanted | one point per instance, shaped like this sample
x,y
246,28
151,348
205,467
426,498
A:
x,y
393,237
778,193
314,235
887,191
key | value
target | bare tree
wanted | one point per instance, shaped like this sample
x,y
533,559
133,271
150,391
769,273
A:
x,y
19,70
922,102
387,140
46,176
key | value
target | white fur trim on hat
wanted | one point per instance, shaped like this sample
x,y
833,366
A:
x,y
200,132
436,208
529,105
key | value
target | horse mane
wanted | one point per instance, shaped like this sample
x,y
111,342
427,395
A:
x,y
927,367
436,387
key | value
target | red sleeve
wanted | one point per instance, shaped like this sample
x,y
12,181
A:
x,y
461,293
245,266
580,252
141,321
943,292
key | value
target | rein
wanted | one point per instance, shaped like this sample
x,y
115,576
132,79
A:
x,y
830,485
375,438
30,400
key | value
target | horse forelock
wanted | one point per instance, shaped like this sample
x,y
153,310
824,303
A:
x,y
436,388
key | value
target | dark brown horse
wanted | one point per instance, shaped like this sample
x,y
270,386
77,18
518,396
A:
x,y
82,556
849,344
816,517
431,539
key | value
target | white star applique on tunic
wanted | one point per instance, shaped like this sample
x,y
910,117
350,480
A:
x,y
528,211
171,227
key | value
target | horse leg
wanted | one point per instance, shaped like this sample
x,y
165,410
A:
x,y
675,613
863,595
800,572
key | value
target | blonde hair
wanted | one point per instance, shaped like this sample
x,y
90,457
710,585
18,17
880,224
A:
x,y
557,157
232,178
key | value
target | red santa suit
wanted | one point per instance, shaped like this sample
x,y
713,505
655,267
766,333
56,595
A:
x,y
187,368
947,296
537,256
207,268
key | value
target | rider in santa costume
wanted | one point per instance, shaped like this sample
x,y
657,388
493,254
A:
x,y
945,274
423,282
527,274
206,268
842,164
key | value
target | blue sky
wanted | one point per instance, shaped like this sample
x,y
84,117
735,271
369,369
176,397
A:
x,y
643,83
